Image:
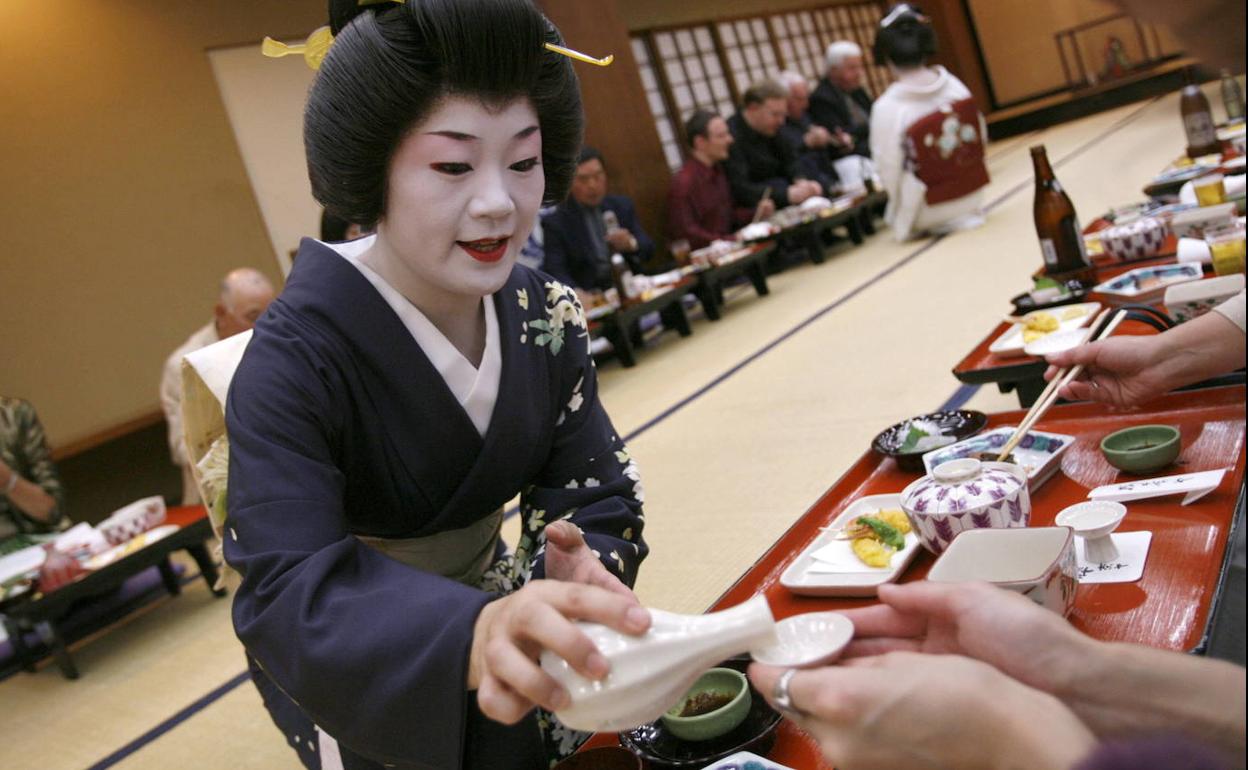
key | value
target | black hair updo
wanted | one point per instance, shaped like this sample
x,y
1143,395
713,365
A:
x,y
907,41
391,63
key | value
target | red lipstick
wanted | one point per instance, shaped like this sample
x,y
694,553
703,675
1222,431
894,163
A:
x,y
485,250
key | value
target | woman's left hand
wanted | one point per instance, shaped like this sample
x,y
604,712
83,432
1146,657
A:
x,y
569,559
907,709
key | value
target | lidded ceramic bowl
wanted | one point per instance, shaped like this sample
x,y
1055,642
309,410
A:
x,y
1135,240
966,494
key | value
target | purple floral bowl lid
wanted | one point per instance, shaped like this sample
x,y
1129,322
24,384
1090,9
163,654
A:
x,y
962,485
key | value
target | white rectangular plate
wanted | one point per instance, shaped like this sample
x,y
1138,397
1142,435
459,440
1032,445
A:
x,y
1039,453
1011,343
745,759
800,579
1148,282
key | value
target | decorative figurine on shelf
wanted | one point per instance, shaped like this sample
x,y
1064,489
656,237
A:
x,y
1116,62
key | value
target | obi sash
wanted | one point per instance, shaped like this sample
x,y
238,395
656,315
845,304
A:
x,y
946,151
462,555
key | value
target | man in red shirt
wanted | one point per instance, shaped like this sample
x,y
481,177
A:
x,y
700,207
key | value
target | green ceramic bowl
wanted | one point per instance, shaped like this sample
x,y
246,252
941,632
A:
x,y
724,682
1142,449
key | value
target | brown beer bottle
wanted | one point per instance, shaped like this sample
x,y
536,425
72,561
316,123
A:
x,y
1061,239
1202,136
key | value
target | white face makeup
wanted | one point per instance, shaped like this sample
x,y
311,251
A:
x,y
464,190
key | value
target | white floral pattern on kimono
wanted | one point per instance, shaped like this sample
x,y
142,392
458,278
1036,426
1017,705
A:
x,y
575,493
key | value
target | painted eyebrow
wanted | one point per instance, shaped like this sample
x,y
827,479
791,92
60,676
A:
x,y
462,137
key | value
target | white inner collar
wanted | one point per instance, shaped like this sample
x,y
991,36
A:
x,y
476,388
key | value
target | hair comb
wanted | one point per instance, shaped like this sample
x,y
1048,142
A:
x,y
313,49
318,43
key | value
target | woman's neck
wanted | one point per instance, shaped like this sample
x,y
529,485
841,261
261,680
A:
x,y
460,317
922,75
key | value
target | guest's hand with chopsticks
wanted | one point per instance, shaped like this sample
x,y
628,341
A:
x,y
1120,371
1127,371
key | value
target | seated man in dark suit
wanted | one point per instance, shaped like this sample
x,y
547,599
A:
x,y
760,159
584,231
815,145
840,103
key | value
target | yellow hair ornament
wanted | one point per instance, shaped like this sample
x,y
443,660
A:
x,y
568,52
318,43
603,62
313,49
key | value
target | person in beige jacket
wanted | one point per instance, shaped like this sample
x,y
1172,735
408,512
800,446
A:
x,y
245,294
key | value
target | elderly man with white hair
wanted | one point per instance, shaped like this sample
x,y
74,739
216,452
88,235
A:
x,y
244,296
840,102
816,146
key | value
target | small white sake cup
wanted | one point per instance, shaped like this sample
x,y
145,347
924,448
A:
x,y
1094,521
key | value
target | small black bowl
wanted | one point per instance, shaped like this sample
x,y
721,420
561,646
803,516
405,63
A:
x,y
960,424
660,749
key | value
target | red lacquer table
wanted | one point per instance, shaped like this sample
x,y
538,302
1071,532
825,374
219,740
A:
x,y
1170,607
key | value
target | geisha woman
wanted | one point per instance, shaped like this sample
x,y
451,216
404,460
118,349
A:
x,y
403,388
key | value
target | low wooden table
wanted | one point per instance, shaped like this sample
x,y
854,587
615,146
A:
x,y
1025,374
709,288
1170,607
41,612
808,235
619,326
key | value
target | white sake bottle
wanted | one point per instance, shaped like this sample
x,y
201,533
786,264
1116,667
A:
x,y
650,672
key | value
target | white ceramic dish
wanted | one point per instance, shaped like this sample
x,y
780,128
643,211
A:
x,y
1194,223
745,759
859,579
810,639
1186,301
1011,343
1145,284
1038,562
1056,342
1039,453
137,543
126,523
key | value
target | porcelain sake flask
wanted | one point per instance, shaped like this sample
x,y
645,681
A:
x,y
650,672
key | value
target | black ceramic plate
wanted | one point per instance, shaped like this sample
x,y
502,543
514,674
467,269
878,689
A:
x,y
1023,303
959,424
660,749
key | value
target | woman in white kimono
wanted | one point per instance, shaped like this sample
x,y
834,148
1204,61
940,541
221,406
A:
x,y
403,388
927,135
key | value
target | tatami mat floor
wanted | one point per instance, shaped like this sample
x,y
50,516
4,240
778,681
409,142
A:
x,y
737,429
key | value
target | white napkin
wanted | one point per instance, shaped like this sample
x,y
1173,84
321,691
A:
x,y
838,556
1127,568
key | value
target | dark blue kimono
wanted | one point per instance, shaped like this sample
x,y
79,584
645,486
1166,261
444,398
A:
x,y
340,426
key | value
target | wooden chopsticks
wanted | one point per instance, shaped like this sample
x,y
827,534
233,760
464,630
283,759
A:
x,y
1063,377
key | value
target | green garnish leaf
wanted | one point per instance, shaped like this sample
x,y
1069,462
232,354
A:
x,y
886,532
912,439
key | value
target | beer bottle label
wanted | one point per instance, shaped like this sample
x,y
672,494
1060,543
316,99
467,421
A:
x,y
1200,129
1049,251
1074,248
